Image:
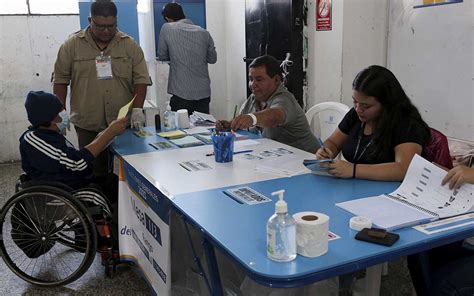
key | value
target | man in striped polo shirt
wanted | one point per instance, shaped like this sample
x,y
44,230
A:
x,y
189,49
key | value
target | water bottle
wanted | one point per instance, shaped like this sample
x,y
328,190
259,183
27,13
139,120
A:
x,y
169,121
281,232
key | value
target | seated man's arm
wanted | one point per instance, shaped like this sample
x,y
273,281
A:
x,y
54,156
271,117
103,138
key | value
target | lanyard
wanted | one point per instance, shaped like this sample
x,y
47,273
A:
x,y
355,158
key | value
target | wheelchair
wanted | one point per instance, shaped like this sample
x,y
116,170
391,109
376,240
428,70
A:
x,y
50,233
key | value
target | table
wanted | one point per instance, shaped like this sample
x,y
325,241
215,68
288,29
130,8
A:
x,y
239,230
150,180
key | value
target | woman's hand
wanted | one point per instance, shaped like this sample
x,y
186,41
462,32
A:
x,y
324,153
458,176
339,168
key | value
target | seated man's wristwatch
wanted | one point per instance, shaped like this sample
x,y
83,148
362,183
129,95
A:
x,y
254,119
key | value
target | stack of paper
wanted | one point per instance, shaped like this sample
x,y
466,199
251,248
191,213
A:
x,y
172,134
198,118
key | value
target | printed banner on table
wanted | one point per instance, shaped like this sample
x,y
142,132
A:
x,y
323,15
144,228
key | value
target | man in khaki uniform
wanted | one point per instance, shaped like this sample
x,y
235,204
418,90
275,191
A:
x,y
105,69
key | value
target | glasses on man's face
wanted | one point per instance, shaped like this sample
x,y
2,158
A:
x,y
104,27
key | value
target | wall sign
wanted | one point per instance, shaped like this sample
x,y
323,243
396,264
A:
x,y
323,15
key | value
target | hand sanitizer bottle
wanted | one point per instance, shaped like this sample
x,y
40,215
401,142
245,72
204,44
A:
x,y
168,120
281,232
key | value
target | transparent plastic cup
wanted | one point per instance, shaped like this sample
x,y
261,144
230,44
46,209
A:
x,y
223,146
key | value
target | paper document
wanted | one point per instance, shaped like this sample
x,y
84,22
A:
x,y
172,134
198,118
419,199
188,141
124,110
287,165
197,130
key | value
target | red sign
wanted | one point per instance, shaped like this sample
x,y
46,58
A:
x,y
323,15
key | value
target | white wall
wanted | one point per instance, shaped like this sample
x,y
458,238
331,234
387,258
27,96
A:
x,y
325,56
357,40
28,48
431,51
364,40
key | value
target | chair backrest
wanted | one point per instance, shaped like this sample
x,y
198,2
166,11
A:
x,y
437,150
323,118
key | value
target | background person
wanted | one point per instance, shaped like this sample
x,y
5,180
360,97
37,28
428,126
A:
x,y
105,69
380,135
272,109
189,49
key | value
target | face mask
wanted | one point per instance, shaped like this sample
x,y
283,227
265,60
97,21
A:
x,y
64,122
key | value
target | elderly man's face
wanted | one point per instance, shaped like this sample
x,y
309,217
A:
x,y
262,85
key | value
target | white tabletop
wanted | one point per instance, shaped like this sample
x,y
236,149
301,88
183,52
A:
x,y
162,168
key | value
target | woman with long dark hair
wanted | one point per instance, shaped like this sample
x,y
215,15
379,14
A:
x,y
380,135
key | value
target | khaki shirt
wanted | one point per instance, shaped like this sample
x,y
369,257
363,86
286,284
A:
x,y
95,103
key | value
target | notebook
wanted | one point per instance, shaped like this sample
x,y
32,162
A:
x,y
419,199
314,165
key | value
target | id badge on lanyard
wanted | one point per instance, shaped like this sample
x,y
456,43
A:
x,y
103,66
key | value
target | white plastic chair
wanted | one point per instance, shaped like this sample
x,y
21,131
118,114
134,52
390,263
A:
x,y
323,118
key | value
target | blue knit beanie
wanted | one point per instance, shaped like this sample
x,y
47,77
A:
x,y
42,107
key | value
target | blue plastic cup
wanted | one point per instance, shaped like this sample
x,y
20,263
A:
x,y
223,146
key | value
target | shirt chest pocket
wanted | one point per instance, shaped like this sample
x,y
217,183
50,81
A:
x,y
122,67
83,67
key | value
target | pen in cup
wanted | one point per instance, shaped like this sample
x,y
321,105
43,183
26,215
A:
x,y
237,152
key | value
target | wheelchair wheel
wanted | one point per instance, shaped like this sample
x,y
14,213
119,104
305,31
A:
x,y
47,236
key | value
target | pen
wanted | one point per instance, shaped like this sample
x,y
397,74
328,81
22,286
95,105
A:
x,y
237,152
321,143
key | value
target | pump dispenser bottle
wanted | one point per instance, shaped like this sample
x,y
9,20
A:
x,y
281,232
169,121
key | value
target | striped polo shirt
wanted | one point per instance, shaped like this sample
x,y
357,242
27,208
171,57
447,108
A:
x,y
189,49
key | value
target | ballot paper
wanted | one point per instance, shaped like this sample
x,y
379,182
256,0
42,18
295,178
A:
x,y
419,199
124,110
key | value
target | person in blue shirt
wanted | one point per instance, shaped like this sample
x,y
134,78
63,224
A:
x,y
47,155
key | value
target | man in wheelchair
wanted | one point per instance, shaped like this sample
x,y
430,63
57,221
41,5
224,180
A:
x,y
48,158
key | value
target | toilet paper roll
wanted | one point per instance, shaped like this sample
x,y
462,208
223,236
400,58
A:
x,y
182,119
311,233
358,223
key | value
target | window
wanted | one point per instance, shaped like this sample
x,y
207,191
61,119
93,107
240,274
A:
x,y
39,7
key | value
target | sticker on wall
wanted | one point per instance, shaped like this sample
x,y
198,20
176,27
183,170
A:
x,y
323,15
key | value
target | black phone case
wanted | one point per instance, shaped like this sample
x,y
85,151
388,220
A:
x,y
388,240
